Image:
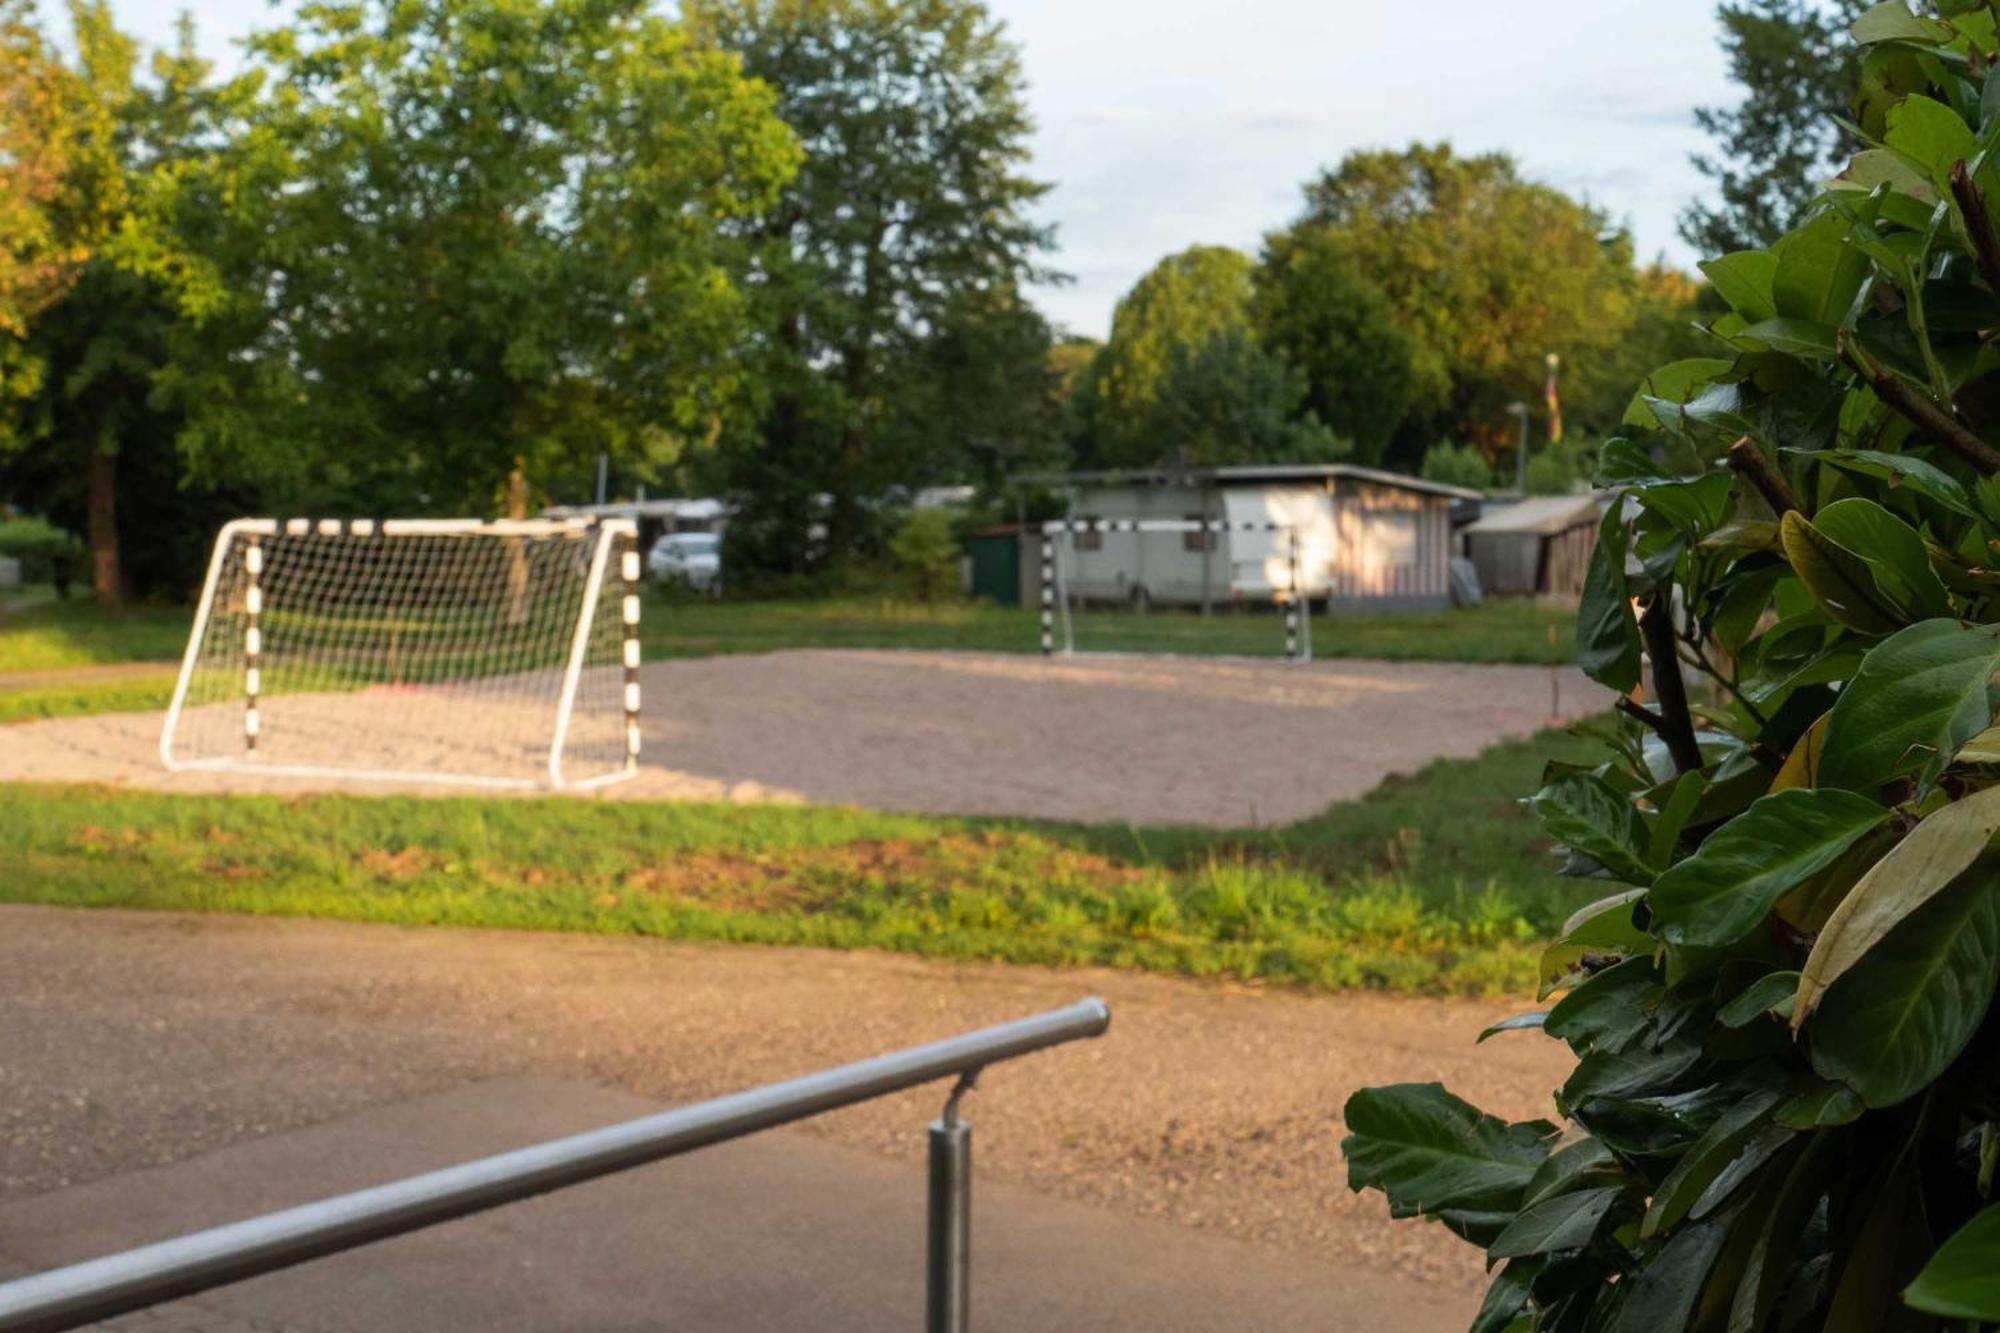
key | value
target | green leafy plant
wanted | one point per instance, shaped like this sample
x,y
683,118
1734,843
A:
x,y
1785,1112
926,553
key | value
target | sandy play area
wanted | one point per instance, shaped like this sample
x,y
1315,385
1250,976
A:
x,y
1149,740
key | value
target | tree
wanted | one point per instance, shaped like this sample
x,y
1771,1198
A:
x,y
909,212
87,334
1784,1114
1796,65
40,99
1486,273
1457,465
450,249
1180,303
1227,401
1315,308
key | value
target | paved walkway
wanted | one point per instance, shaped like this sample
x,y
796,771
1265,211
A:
x,y
154,1056
779,1231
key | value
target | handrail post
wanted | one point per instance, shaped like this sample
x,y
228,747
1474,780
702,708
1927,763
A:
x,y
948,1270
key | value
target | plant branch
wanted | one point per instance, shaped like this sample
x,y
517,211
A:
x,y
1978,225
1656,629
1749,462
1919,408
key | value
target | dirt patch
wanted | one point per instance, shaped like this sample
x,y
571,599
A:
x,y
1141,740
803,878
399,867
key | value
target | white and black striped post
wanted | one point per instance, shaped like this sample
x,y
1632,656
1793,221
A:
x,y
1292,599
253,637
628,569
1048,595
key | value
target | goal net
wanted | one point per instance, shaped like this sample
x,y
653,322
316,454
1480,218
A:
x,y
1175,586
501,653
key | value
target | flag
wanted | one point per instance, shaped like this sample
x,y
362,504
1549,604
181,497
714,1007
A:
x,y
1554,401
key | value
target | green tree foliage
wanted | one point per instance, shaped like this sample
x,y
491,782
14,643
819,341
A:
x,y
926,553
449,248
79,407
1485,272
1316,308
1226,400
1180,303
1457,465
1784,1114
907,219
1796,66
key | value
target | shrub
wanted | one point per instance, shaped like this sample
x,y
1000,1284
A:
x,y
1456,465
46,552
926,553
1786,1110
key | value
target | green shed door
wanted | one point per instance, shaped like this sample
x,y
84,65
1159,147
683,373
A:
x,y
996,567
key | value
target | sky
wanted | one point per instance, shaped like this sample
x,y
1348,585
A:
x,y
1169,123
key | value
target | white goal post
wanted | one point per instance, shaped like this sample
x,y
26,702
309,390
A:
x,y
499,653
1059,627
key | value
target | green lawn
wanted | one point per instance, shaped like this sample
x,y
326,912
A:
x,y
1515,631
1436,882
48,634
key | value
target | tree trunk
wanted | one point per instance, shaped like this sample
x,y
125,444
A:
x,y
107,578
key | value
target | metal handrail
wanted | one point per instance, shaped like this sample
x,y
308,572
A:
x,y
83,1293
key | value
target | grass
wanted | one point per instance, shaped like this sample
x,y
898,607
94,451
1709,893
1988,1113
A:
x,y
1515,631
1436,883
46,635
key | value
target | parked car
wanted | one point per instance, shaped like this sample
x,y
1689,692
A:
x,y
690,559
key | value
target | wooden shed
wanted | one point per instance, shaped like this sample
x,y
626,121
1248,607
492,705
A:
x,y
1367,539
1540,545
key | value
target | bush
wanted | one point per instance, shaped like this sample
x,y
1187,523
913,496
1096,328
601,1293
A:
x,y
926,553
1786,1111
1456,465
46,552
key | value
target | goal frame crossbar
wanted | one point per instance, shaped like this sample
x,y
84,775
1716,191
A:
x,y
1055,593
608,532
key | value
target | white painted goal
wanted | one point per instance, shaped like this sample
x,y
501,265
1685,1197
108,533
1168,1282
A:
x,y
1123,561
499,653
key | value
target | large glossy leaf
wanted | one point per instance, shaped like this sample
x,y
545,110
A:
x,y
1900,1016
1726,889
1914,871
1841,582
1607,636
1584,1161
1561,1222
1744,280
1894,552
1675,382
1817,275
1768,1265
1930,136
1890,21
1917,697
1772,993
1607,1011
1428,1151
1506,1297
1662,1294
1905,470
1588,815
1699,1166
1962,1280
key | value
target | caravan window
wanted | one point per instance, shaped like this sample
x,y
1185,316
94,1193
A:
x,y
1091,538
1197,539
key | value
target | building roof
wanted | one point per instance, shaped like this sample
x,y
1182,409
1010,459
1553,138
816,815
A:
x,y
1248,476
684,509
1543,514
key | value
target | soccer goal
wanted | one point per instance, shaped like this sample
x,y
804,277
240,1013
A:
x,y
500,653
1105,573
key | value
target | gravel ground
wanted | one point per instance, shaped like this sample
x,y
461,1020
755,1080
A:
x,y
135,1039
1143,739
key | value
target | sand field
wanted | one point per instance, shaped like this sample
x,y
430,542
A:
x,y
1219,742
